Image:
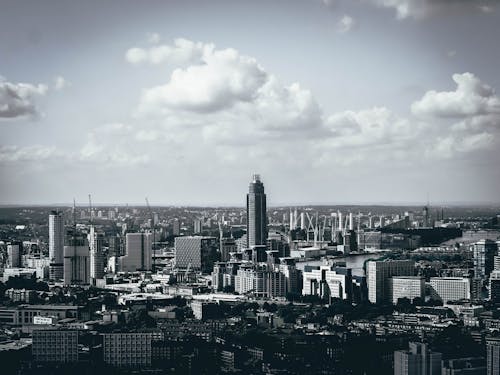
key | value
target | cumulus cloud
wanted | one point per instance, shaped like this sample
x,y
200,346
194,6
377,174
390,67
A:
x,y
18,99
423,8
471,98
182,52
345,24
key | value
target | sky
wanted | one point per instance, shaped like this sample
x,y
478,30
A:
x,y
330,101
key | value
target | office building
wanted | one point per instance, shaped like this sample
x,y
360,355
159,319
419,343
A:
x,y
197,226
15,255
327,282
256,213
260,280
418,360
55,346
410,287
493,356
138,253
56,245
176,227
124,350
76,260
196,252
227,246
450,288
379,274
494,286
464,366
484,252
97,258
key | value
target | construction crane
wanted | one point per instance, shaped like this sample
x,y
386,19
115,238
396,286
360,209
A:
x,y
153,268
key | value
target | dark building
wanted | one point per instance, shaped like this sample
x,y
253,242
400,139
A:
x,y
256,213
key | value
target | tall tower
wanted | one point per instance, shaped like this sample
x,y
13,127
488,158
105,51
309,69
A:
x,y
56,244
256,213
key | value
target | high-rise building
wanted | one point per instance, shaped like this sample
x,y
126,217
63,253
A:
x,y
197,252
450,288
138,252
407,287
176,227
56,245
494,286
418,360
379,274
97,259
261,280
14,254
256,213
198,225
227,246
484,252
76,260
493,356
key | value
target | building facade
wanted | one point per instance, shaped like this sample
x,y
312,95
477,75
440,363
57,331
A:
x,y
379,274
56,245
407,287
450,288
138,252
197,252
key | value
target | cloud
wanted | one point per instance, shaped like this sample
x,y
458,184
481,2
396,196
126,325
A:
x,y
33,153
17,100
60,83
223,78
470,98
345,24
182,52
423,8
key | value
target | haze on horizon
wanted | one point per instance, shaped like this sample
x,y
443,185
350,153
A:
x,y
182,101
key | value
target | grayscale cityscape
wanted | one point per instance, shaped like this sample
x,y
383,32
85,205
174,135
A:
x,y
250,187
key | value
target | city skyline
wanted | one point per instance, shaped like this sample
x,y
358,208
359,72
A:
x,y
344,101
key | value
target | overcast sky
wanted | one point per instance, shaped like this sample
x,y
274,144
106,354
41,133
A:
x,y
340,101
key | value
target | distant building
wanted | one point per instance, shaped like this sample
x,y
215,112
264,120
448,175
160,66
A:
x,y
97,258
418,360
76,261
379,274
55,346
14,254
227,246
407,287
494,286
260,280
56,245
197,252
176,227
21,295
127,350
493,356
138,253
198,226
327,282
484,252
256,213
450,288
464,366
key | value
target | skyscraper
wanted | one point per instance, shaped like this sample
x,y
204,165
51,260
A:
x,y
256,213
484,252
379,275
138,252
96,242
56,244
76,260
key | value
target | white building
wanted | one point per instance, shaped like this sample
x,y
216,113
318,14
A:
x,y
407,287
138,252
260,281
379,274
327,282
450,288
